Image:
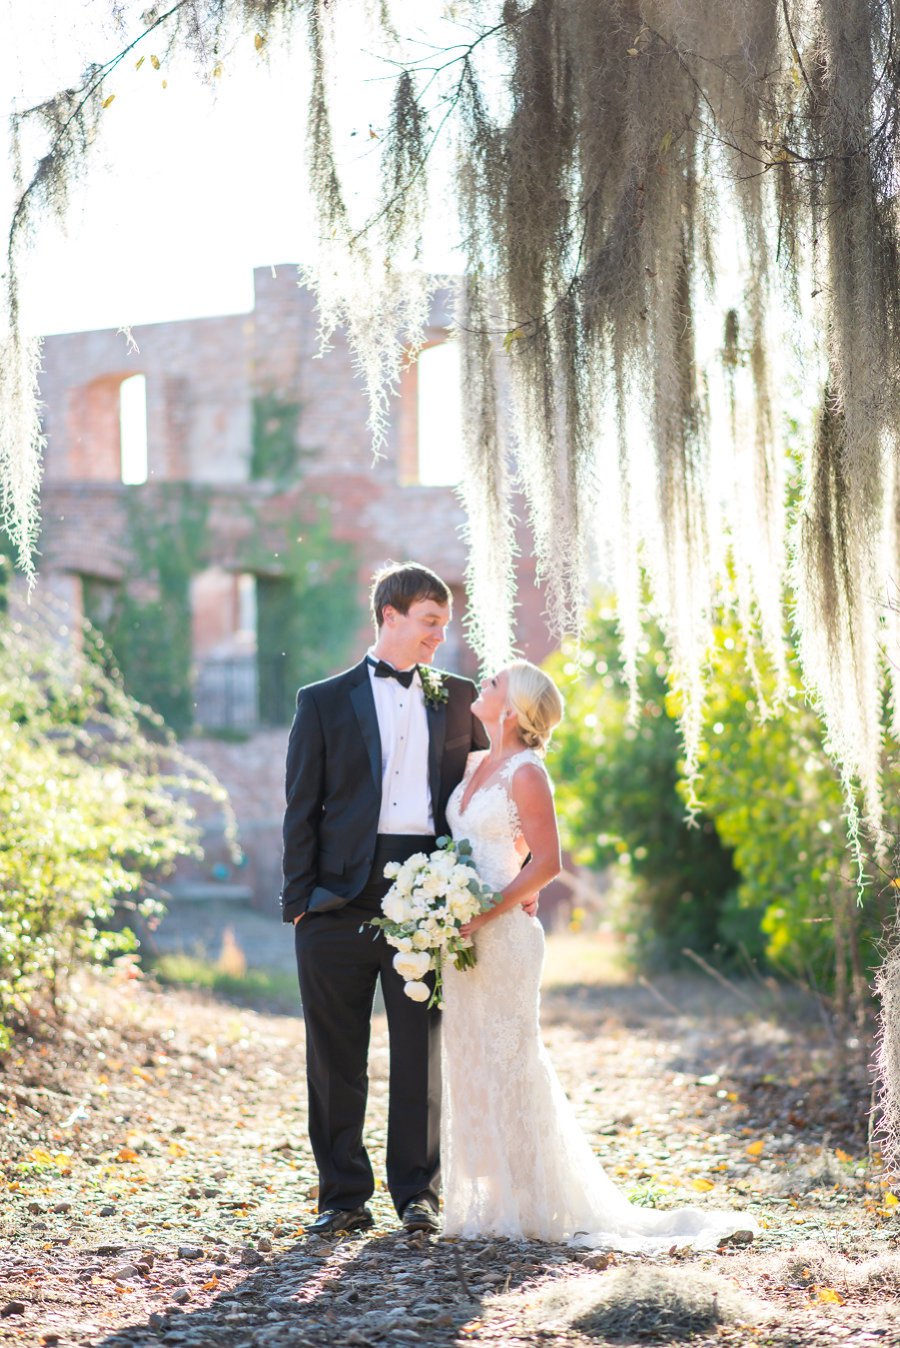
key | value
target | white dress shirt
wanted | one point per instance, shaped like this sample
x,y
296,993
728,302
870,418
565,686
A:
x,y
406,805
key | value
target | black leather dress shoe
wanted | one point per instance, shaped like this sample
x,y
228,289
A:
x,y
420,1215
337,1221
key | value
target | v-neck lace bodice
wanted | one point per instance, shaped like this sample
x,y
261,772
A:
x,y
490,820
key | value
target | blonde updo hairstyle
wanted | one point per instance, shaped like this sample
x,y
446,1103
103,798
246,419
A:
x,y
537,702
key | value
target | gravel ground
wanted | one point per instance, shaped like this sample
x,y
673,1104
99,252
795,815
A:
x,y
155,1182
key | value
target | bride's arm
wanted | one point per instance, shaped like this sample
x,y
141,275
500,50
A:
x,y
530,790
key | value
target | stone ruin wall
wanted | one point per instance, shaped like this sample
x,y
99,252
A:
x,y
201,378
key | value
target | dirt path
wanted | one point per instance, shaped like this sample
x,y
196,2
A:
x,y
156,1182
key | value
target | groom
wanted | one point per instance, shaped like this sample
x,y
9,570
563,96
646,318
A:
x,y
373,756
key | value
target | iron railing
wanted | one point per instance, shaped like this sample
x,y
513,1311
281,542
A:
x,y
242,693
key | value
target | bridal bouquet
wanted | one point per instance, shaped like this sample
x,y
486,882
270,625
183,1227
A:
x,y
430,899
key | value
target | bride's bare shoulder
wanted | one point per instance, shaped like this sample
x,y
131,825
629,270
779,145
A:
x,y
529,781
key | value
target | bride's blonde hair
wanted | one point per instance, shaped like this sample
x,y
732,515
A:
x,y
537,702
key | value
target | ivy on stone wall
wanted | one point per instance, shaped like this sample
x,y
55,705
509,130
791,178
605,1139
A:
x,y
308,610
275,450
147,624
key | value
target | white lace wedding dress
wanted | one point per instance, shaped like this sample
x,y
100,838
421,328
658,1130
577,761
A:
x,y
514,1159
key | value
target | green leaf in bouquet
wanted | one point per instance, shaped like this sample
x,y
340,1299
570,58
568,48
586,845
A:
x,y
489,898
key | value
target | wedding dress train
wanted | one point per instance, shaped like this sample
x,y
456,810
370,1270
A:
x,y
514,1159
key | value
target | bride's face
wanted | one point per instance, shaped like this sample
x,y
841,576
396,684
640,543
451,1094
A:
x,y
491,703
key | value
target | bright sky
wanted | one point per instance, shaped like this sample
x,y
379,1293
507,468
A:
x,y
190,185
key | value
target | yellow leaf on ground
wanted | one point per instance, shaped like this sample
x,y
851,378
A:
x,y
154,61
755,1148
890,1200
828,1294
842,1155
126,1154
211,1285
259,41
140,63
176,1149
106,102
702,1185
41,1155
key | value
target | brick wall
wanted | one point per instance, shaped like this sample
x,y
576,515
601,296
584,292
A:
x,y
202,375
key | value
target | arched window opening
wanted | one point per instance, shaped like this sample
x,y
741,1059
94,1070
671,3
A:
x,y
133,429
439,416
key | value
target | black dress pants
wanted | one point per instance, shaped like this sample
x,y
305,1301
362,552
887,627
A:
x,y
338,966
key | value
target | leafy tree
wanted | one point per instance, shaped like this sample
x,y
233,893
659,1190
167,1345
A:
x,y
611,161
617,790
768,867
777,802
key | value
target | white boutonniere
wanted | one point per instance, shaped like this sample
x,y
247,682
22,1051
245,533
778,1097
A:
x,y
434,686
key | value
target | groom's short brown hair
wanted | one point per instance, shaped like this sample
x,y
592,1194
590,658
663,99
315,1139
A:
x,y
403,583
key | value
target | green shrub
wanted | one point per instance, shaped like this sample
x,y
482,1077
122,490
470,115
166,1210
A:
x,y
94,807
778,803
768,871
617,791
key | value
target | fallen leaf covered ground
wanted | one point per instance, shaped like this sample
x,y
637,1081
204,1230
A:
x,y
155,1180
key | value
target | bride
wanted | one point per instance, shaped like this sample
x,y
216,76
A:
x,y
514,1159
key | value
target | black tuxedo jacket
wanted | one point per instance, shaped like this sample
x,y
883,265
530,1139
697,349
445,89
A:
x,y
333,783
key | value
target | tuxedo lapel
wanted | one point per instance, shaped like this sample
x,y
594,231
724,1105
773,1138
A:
x,y
437,733
364,706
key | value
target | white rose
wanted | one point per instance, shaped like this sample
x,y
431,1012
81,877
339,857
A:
x,y
463,906
413,964
420,941
403,943
395,907
392,870
416,861
416,991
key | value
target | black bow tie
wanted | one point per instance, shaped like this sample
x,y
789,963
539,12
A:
x,y
385,671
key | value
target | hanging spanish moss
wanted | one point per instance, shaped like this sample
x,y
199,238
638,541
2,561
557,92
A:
x,y
647,196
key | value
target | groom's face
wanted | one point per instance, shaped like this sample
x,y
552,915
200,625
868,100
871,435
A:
x,y
413,637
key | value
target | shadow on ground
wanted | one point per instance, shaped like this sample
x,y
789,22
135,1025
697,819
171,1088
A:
x,y
385,1289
